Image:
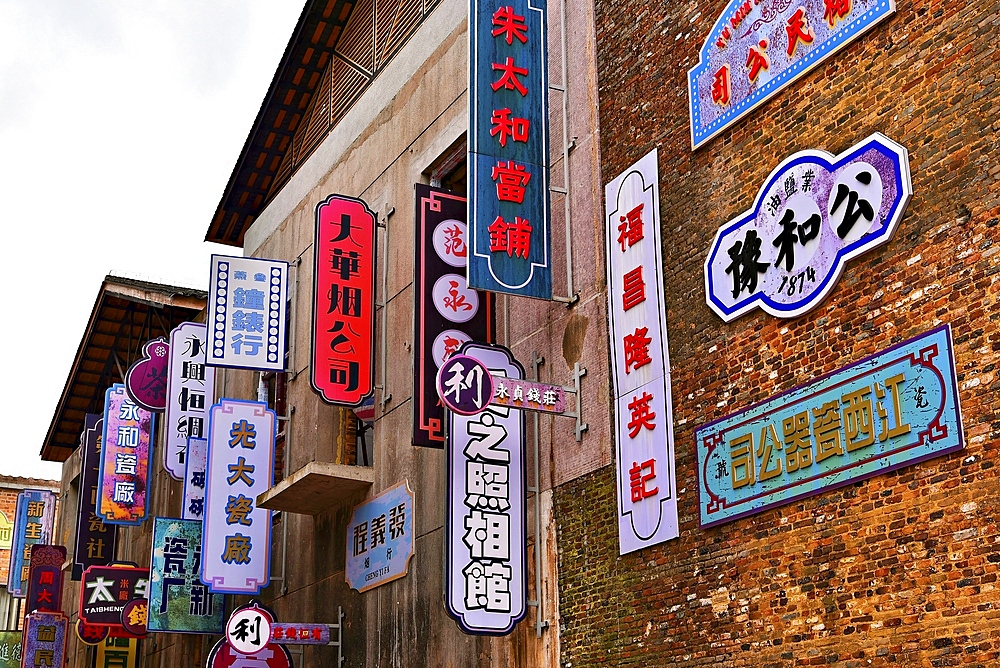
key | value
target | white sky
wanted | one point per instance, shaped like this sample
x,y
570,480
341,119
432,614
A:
x,y
120,123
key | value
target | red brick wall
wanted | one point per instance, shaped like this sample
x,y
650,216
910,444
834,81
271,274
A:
x,y
899,570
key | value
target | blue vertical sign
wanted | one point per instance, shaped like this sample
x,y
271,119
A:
x,y
509,148
34,517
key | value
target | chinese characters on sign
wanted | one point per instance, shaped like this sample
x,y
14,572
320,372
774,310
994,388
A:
x,y
447,312
892,409
34,518
644,434
190,393
45,578
10,649
249,641
236,551
756,49
343,334
95,540
146,379
528,395
247,328
486,577
106,591
126,456
118,653
509,149
194,479
178,601
464,385
44,641
380,539
814,213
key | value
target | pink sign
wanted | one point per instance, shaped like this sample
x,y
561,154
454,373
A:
x,y
146,380
125,459
529,396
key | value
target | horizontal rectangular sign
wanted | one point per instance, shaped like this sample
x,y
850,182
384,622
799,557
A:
x,y
380,539
527,395
757,48
889,410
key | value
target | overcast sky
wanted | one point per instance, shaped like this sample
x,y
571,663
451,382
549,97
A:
x,y
120,123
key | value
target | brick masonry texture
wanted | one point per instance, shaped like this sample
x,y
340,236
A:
x,y
899,570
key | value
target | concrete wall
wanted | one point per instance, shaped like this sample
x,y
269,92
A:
x,y
898,570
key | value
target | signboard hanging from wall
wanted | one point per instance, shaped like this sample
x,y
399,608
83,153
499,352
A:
x,y
45,578
509,218
756,49
190,392
380,539
126,459
118,653
95,540
10,649
343,332
247,316
813,214
178,601
195,466
106,590
34,519
889,410
236,552
485,539
447,313
640,359
146,379
44,641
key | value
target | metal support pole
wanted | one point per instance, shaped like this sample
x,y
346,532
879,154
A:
x,y
339,642
568,144
386,398
540,623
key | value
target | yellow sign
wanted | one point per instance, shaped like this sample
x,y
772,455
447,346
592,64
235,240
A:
x,y
118,653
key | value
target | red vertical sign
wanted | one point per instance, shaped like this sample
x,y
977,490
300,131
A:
x,y
343,340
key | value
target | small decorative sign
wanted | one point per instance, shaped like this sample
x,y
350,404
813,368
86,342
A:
x,y
813,214
509,148
464,385
527,395
146,379
343,333
178,601
248,641
90,634
34,518
126,458
44,641
300,634
45,578
485,539
135,616
247,321
10,649
95,540
757,48
640,359
195,466
272,656
380,539
892,409
106,590
236,552
447,312
190,392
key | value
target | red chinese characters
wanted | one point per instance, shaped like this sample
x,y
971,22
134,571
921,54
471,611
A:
x,y
343,354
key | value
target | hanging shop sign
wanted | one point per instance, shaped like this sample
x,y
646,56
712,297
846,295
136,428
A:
x,y
248,643
118,653
34,518
815,212
10,649
236,552
44,642
464,385
146,379
6,537
447,312
486,544
247,316
300,634
95,540
178,601
135,615
343,333
892,409
126,459
380,539
90,634
195,465
190,392
106,590
509,149
644,433
272,656
756,49
45,578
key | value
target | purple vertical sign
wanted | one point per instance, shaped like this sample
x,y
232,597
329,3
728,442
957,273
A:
x,y
95,540
194,479
45,578
146,380
190,391
236,552
126,459
44,642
